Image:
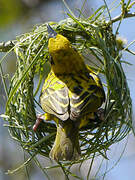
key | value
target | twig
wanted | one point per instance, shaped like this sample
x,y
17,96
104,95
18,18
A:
x,y
6,46
117,18
132,52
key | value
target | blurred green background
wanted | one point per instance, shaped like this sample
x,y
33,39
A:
x,y
19,16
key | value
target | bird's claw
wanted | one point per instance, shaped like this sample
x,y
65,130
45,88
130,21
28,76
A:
x,y
40,118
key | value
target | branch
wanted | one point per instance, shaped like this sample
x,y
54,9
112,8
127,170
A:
x,y
131,52
117,18
6,46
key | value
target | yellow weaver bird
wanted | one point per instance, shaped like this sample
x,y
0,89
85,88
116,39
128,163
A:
x,y
71,94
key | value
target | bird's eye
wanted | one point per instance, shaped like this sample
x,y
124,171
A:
x,y
74,48
51,60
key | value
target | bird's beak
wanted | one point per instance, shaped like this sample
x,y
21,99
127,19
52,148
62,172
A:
x,y
51,32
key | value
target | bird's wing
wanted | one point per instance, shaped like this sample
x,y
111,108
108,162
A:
x,y
54,98
87,96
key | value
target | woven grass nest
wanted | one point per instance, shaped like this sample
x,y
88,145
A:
x,y
89,37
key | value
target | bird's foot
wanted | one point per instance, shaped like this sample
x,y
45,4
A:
x,y
40,117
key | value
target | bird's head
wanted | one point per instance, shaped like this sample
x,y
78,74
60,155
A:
x,y
64,58
57,43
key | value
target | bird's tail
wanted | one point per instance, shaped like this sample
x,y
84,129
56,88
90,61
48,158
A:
x,y
66,145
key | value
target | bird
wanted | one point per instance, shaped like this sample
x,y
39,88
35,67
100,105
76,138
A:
x,y
71,94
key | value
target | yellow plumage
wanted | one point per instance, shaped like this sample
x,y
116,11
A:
x,y
72,92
